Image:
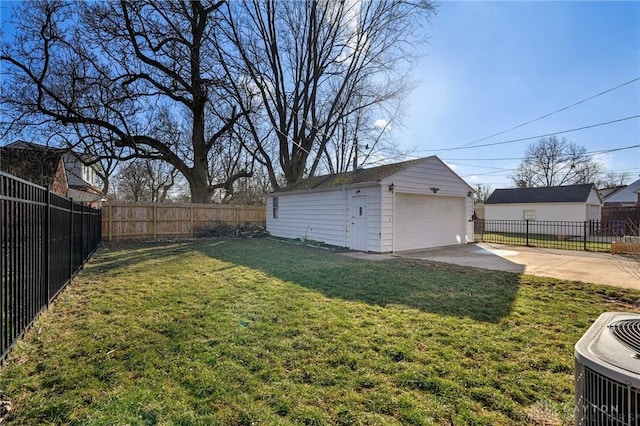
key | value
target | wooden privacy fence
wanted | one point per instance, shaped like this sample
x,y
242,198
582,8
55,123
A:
x,y
125,221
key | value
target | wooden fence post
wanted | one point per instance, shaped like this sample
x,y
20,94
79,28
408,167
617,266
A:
x,y
155,221
110,222
191,218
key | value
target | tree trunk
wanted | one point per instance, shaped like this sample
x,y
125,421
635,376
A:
x,y
200,192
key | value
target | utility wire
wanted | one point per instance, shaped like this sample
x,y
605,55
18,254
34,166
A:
x,y
590,153
613,150
535,137
554,112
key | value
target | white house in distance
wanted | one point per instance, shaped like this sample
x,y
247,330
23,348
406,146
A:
x,y
625,196
403,206
571,203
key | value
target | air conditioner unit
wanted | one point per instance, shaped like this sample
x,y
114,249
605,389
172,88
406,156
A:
x,y
607,372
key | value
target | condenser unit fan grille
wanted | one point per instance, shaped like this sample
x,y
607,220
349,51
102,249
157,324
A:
x,y
607,402
628,333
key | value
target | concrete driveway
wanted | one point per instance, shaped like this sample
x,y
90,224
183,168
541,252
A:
x,y
597,268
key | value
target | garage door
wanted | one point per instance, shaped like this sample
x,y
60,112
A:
x,y
428,221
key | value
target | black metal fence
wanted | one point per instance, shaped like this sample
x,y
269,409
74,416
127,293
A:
x,y
45,241
592,235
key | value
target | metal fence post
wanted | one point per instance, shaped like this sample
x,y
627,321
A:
x,y
82,234
46,238
99,227
527,232
71,239
584,235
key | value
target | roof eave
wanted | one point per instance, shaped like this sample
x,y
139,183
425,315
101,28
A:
x,y
326,189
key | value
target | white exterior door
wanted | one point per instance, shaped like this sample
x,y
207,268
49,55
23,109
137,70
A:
x,y
359,227
422,221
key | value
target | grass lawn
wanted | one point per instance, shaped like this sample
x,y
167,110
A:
x,y
258,331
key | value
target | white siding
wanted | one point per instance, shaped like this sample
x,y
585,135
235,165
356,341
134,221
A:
x,y
431,173
323,216
594,206
594,212
386,223
543,211
317,216
419,179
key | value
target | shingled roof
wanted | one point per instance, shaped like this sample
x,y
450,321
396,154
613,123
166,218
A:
x,y
373,174
553,194
38,166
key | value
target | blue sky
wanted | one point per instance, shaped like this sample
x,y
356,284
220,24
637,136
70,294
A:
x,y
490,66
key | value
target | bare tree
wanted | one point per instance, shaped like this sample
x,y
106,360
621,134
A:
x,y
131,79
131,182
613,179
305,73
145,180
250,191
554,162
482,192
360,141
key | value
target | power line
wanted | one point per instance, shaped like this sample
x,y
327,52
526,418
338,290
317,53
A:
x,y
535,137
490,173
613,150
482,159
554,112
479,167
590,153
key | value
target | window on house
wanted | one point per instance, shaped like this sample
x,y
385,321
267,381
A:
x,y
275,207
87,174
529,215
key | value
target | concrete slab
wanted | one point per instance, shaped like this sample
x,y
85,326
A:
x,y
597,268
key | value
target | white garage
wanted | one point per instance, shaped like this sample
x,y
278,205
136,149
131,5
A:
x,y
403,206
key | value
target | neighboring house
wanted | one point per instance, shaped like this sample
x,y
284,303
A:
x,y
624,197
410,205
38,166
607,192
82,179
573,203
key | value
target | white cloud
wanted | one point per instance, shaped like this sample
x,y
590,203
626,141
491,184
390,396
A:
x,y
451,166
381,123
604,159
